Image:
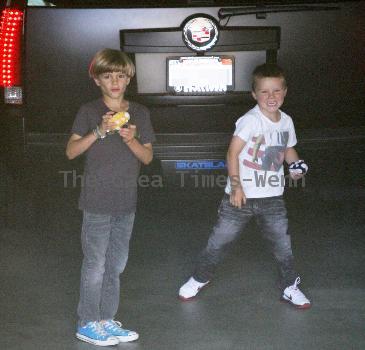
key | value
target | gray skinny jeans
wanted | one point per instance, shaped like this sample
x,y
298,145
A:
x,y
105,244
271,217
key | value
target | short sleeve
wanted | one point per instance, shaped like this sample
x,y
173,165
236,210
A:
x,y
244,127
292,136
146,133
80,126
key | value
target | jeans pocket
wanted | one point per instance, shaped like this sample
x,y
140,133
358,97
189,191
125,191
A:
x,y
220,208
229,211
225,202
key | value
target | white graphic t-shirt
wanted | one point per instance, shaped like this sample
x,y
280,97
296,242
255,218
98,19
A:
x,y
261,160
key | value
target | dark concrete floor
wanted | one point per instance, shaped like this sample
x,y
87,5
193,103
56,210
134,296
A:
x,y
40,265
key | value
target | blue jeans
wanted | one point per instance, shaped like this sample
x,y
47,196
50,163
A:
x,y
105,244
271,217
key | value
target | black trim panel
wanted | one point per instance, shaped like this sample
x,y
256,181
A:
x,y
174,100
168,40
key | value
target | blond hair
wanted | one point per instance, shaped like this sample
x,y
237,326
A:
x,y
109,60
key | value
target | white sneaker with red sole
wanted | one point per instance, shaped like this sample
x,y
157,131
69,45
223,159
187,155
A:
x,y
190,289
294,296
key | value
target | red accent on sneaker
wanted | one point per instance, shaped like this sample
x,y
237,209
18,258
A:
x,y
300,307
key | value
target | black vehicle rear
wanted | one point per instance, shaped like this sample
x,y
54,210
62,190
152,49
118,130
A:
x,y
319,44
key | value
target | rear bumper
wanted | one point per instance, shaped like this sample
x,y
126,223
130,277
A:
x,y
195,159
173,153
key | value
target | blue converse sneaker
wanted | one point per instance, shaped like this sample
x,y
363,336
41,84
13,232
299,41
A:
x,y
114,328
94,333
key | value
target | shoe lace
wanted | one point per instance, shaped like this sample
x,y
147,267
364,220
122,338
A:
x,y
113,325
98,329
296,282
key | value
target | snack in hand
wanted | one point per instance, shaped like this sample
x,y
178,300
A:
x,y
119,119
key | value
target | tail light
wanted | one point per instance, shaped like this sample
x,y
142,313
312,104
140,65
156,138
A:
x,y
11,27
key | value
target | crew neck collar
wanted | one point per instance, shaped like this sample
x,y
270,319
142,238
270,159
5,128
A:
x,y
257,107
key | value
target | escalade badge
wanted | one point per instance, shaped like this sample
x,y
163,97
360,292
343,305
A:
x,y
200,32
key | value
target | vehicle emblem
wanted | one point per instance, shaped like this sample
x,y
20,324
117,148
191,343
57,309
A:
x,y
200,32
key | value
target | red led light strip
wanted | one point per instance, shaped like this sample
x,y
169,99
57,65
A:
x,y
10,47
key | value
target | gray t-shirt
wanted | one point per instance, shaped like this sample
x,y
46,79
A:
x,y
111,169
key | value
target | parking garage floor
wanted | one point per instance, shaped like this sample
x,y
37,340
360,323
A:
x,y
40,264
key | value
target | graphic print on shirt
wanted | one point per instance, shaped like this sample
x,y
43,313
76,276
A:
x,y
266,151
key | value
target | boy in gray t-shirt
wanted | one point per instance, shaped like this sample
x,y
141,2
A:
x,y
109,193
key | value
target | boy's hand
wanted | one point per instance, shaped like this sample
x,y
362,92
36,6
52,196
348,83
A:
x,y
237,197
298,169
128,133
106,125
296,176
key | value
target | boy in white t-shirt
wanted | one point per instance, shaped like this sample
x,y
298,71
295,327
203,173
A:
x,y
263,139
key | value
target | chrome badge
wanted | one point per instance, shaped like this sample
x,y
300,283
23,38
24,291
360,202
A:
x,y
200,32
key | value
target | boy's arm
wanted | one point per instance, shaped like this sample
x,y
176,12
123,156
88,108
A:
x,y
77,144
143,152
237,196
291,156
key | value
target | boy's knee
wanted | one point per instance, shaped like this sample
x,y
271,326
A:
x,y
95,266
284,254
119,268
